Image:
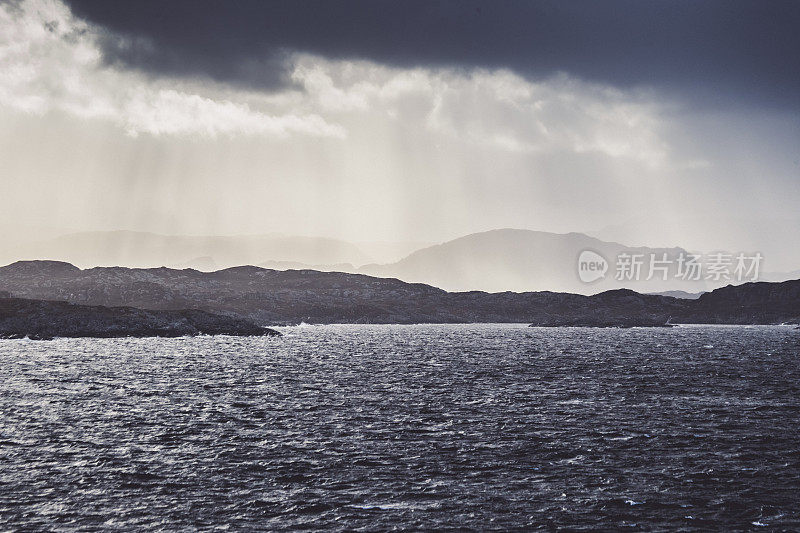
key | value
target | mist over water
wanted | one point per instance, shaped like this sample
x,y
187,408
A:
x,y
481,427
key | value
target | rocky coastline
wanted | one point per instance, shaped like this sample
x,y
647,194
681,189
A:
x,y
44,320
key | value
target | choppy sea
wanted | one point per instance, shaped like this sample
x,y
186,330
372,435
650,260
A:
x,y
372,428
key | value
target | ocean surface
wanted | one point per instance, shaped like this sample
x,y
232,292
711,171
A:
x,y
371,428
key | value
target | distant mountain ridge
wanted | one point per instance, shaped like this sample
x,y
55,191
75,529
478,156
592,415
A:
x,y
268,296
522,260
143,249
494,261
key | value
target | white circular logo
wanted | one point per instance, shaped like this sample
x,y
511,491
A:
x,y
591,266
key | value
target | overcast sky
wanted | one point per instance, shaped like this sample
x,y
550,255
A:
x,y
663,123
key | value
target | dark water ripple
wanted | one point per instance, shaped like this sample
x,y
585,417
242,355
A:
x,y
405,427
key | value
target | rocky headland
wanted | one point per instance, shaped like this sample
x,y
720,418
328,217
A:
x,y
38,319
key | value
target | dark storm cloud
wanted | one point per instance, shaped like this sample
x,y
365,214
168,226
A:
x,y
714,49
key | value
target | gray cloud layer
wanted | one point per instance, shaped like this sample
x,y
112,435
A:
x,y
371,150
729,50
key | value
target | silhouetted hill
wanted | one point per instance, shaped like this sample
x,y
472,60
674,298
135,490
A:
x,y
751,303
286,297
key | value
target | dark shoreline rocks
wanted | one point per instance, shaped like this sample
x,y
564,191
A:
x,y
45,320
620,308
